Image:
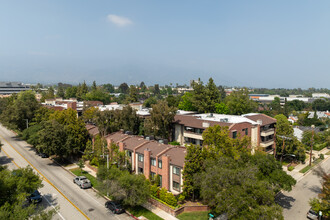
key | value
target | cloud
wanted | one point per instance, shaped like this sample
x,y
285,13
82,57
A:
x,y
118,20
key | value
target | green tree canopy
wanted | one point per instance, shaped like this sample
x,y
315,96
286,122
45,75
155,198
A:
x,y
239,102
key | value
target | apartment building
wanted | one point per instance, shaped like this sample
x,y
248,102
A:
x,y
188,129
151,158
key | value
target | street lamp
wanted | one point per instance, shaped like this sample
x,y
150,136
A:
x,y
310,153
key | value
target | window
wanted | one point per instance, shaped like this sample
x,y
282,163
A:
x,y
152,175
129,154
153,162
234,134
246,131
176,170
140,158
140,170
160,181
176,186
160,164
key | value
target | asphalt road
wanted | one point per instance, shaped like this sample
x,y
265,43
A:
x,y
59,189
295,203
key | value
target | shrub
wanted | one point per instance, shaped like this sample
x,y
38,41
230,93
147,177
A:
x,y
154,190
290,168
94,162
321,156
181,198
170,199
175,143
162,194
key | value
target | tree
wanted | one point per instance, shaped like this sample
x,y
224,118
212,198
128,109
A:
x,y
156,89
212,96
132,189
221,108
149,102
109,88
21,109
291,145
218,142
161,118
322,203
60,92
234,189
71,92
81,164
123,88
186,103
129,120
133,94
194,162
239,102
52,139
94,87
14,187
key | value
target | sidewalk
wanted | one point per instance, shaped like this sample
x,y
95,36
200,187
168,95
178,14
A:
x,y
295,172
148,206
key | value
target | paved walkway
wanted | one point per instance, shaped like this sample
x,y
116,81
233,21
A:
x,y
295,172
148,206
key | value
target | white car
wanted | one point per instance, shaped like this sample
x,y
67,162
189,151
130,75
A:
x,y
82,181
311,214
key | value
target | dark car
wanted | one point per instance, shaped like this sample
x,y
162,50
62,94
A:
x,y
114,206
35,197
43,155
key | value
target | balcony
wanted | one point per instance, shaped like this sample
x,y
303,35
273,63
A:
x,y
265,144
267,132
193,135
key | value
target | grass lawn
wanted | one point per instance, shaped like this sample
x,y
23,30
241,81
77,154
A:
x,y
91,178
141,211
194,215
306,168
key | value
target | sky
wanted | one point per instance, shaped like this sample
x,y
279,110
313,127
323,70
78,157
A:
x,y
262,44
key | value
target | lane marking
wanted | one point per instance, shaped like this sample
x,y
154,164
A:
x,y
47,179
43,196
12,159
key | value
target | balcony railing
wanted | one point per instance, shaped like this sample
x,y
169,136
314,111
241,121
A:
x,y
267,132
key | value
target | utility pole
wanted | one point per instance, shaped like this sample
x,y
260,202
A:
x,y
311,151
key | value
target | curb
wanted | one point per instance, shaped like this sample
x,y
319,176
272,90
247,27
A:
x,y
317,165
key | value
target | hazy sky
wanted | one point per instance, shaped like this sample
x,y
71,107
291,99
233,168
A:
x,y
239,43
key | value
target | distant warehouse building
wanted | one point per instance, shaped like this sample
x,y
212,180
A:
x,y
8,88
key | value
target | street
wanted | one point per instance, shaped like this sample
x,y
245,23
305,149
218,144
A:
x,y
59,189
295,203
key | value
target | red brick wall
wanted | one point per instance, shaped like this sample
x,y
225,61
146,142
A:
x,y
146,169
175,212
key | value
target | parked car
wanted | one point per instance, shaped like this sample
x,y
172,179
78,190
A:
x,y
311,214
114,206
35,197
43,155
82,181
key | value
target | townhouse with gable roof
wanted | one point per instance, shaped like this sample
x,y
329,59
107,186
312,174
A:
x,y
151,158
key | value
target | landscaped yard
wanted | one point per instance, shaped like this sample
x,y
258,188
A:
x,y
194,215
141,211
306,168
136,211
91,178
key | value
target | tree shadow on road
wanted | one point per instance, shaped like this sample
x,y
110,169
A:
x,y
5,160
284,201
315,189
